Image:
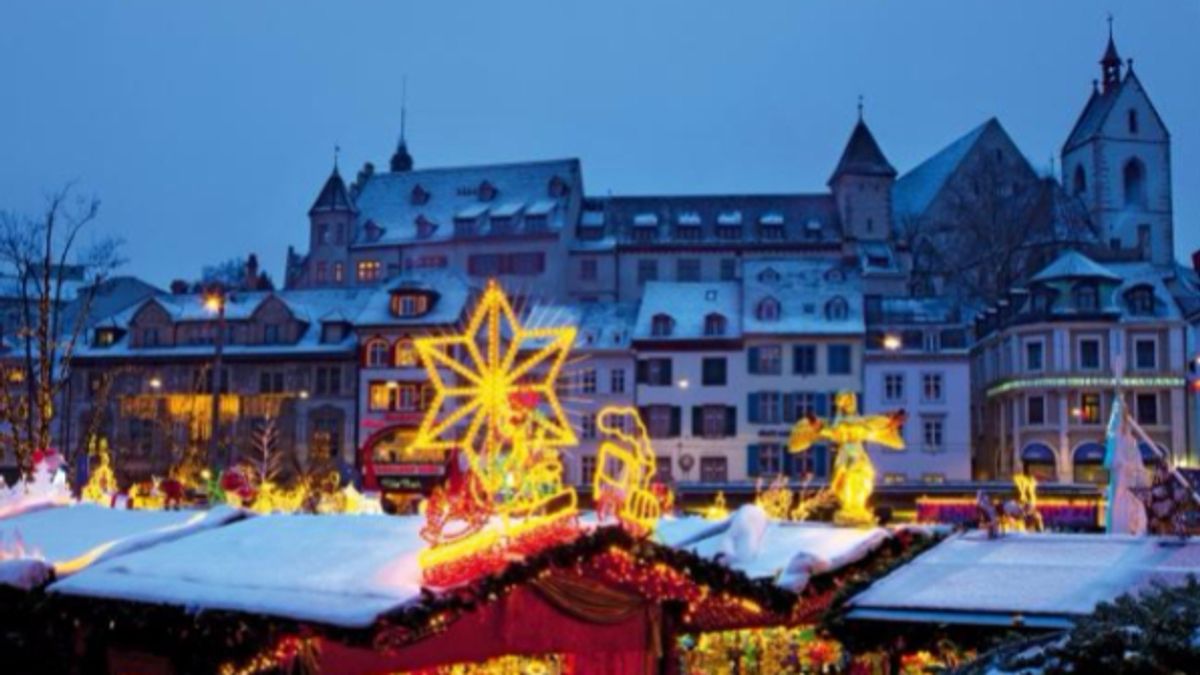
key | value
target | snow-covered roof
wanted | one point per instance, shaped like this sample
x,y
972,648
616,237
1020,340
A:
x,y
333,569
1041,580
453,294
387,199
1075,265
70,538
625,214
806,290
688,304
605,326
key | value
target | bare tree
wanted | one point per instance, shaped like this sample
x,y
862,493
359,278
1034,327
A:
x,y
264,456
44,257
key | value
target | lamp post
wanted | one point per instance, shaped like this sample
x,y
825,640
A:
x,y
214,301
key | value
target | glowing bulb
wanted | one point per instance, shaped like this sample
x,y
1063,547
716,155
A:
x,y
892,342
683,383
155,383
303,393
213,302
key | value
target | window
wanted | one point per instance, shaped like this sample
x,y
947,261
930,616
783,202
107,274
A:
x,y
1089,408
1089,354
647,270
1087,297
767,310
150,336
1132,119
329,380
655,372
770,459
141,435
406,353
377,353
321,271
587,381
587,425
409,304
380,396
526,264
1145,353
687,269
588,269
662,421
931,387
484,264
893,387
339,272
933,478
368,270
271,334
894,478
616,382
804,403
933,431
1080,181
804,359
1034,361
662,469
1147,408
839,360
662,325
587,469
714,470
326,437
1035,410
323,233
1134,176
714,325
1141,301
768,408
728,269
837,309
270,382
766,360
713,371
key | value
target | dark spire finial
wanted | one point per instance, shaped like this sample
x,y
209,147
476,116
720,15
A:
x,y
401,159
337,150
1110,64
860,107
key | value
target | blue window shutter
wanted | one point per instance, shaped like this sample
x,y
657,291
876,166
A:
x,y
752,460
789,408
752,360
752,410
821,403
789,461
820,461
731,421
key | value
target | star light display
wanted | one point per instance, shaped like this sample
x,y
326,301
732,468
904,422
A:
x,y
496,412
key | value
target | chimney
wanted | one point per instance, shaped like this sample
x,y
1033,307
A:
x,y
251,282
179,287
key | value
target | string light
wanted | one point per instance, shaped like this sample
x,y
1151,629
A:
x,y
625,467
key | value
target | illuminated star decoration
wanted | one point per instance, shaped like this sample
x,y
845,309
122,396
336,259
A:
x,y
475,376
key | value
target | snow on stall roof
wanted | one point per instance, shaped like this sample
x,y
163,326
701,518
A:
x,y
72,536
972,579
332,569
803,288
387,198
689,303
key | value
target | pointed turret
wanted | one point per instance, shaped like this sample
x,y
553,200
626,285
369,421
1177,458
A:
x,y
333,196
862,156
401,160
1110,64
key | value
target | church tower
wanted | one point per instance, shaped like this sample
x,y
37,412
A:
x,y
862,186
1117,161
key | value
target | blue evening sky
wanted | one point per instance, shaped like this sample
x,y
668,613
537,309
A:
x,y
207,128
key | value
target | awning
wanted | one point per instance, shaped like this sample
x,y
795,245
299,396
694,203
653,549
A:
x,y
1089,453
1037,453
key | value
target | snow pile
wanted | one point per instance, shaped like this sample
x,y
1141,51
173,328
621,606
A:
x,y
788,552
48,487
333,569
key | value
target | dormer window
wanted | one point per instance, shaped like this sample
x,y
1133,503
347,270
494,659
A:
x,y
1086,297
272,335
558,188
105,337
770,231
714,325
373,231
487,191
425,227
645,227
837,309
662,325
1140,301
687,227
409,304
419,196
332,332
767,310
1041,301
768,276
834,275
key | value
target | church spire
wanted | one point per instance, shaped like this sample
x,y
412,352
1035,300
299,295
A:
x,y
1110,64
862,156
402,160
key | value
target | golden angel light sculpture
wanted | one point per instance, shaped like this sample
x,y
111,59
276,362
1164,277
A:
x,y
496,413
625,467
853,474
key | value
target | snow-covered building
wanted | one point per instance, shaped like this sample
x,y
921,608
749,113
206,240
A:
x,y
917,359
1049,358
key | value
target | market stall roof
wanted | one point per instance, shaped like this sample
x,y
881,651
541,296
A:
x,y
340,570
70,538
1035,580
761,548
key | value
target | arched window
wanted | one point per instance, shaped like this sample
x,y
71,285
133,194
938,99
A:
x,y
767,310
1135,183
1133,121
837,309
1080,181
406,354
1140,300
662,325
377,353
714,325
1087,297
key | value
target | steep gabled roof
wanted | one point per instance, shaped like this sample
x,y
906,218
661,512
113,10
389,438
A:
x,y
862,156
916,190
333,196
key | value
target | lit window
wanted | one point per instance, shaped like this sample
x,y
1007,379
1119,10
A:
x,y
406,353
409,304
377,353
368,270
1089,408
339,272
587,381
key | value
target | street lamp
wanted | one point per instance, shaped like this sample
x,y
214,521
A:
x,y
155,383
892,342
215,300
